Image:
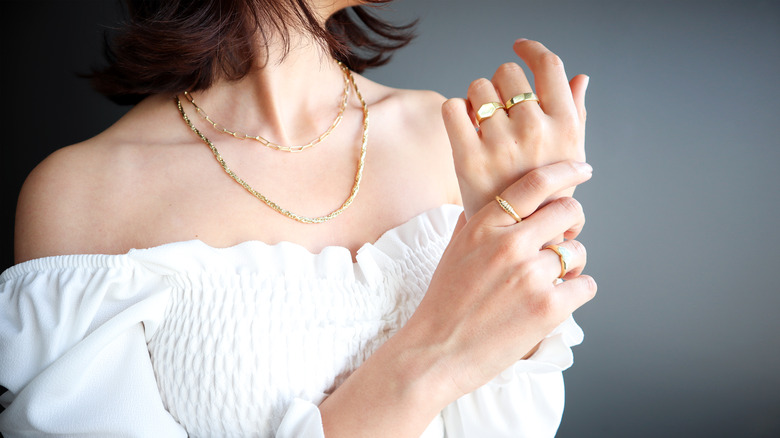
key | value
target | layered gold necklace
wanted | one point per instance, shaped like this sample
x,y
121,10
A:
x,y
276,207
270,144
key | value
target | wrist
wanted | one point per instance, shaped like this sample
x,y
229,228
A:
x,y
424,367
396,392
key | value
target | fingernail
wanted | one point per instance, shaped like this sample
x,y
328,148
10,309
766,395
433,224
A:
x,y
587,81
584,167
520,40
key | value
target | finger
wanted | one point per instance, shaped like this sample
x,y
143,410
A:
x,y
572,233
552,86
569,234
480,92
578,85
460,127
574,260
528,193
576,292
510,80
552,220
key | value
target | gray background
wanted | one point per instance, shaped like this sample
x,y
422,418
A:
x,y
682,339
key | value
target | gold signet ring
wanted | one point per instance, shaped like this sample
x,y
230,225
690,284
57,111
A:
x,y
563,254
520,98
487,110
508,209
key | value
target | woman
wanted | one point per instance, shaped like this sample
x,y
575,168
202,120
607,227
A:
x,y
240,319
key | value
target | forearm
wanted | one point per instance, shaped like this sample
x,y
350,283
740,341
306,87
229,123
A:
x,y
395,393
490,301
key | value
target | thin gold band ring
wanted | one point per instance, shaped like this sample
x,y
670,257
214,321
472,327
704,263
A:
x,y
564,254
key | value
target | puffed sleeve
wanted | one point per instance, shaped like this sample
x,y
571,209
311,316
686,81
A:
x,y
302,420
526,400
73,354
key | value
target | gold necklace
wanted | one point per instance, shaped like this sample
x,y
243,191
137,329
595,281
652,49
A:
x,y
270,144
275,206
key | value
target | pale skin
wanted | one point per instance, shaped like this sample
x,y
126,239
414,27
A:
x,y
148,180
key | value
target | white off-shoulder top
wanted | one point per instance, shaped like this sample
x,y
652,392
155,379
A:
x,y
189,340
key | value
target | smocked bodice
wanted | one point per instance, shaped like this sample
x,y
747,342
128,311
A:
x,y
188,340
238,344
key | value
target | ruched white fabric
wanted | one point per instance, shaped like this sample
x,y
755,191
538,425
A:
x,y
189,340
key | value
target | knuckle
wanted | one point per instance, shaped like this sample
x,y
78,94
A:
x,y
542,306
452,107
578,247
550,59
505,250
538,179
475,235
508,251
536,273
480,84
570,205
571,166
508,68
571,122
590,285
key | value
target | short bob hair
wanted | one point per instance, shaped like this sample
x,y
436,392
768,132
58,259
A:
x,y
176,45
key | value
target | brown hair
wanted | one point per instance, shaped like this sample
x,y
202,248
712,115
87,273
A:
x,y
176,45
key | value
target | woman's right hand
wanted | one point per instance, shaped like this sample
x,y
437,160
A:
x,y
516,140
490,301
493,297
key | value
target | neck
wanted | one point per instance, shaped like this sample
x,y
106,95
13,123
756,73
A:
x,y
290,100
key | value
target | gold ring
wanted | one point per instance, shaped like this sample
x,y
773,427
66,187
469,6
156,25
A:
x,y
520,98
487,110
508,209
563,254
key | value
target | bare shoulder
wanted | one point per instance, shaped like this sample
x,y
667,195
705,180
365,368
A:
x,y
80,199
419,110
413,119
59,203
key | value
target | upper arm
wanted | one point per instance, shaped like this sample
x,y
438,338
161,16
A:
x,y
57,207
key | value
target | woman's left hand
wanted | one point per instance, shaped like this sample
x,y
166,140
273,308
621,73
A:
x,y
519,139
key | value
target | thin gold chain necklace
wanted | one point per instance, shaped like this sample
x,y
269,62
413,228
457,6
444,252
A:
x,y
270,203
269,143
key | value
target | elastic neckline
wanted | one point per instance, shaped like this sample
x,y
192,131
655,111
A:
x,y
292,258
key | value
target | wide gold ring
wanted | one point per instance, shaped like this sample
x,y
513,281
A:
x,y
487,110
508,209
564,254
520,98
